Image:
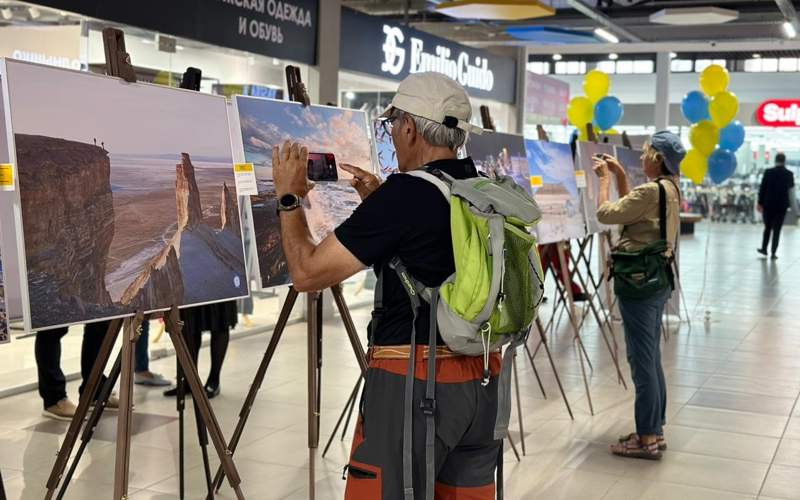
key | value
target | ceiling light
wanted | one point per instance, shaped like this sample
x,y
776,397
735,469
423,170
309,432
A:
x,y
788,30
147,41
557,57
756,56
179,47
694,16
606,35
251,61
350,95
276,62
673,55
7,13
34,13
613,56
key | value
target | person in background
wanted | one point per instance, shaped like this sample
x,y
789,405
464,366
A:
x,y
218,319
773,201
52,383
638,212
142,374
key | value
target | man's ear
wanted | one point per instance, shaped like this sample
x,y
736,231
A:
x,y
409,130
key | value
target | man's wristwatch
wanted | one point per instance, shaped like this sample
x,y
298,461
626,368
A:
x,y
288,202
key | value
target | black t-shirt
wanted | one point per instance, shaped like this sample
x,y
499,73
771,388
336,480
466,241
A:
x,y
406,217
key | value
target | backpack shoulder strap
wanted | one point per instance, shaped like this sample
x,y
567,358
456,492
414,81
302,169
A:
x,y
436,181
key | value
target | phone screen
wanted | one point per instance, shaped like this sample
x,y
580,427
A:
x,y
322,167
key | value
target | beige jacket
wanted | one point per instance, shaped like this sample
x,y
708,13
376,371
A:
x,y
638,213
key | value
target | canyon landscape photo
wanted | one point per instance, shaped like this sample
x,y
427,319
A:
x,y
586,151
497,154
266,123
127,196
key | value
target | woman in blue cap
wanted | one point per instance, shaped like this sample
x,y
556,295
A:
x,y
650,219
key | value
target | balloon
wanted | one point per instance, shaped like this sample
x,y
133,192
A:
x,y
695,107
723,108
721,165
694,166
596,85
704,137
714,79
612,131
580,112
732,136
607,112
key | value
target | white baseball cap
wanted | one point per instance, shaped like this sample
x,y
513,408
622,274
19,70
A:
x,y
436,97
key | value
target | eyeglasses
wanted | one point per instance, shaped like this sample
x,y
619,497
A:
x,y
388,124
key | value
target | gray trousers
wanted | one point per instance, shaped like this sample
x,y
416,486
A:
x,y
642,322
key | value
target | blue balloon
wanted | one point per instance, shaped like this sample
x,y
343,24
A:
x,y
695,107
721,165
732,136
608,112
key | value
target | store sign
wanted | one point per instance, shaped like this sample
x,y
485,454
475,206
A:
x,y
546,100
50,45
403,51
275,28
779,113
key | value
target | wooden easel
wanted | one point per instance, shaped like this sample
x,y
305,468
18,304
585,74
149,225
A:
x,y
297,92
118,64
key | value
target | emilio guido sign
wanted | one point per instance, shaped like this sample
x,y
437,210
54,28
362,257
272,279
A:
x,y
372,46
275,28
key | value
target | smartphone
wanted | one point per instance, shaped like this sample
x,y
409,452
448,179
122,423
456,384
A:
x,y
322,167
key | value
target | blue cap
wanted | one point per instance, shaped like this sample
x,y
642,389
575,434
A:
x,y
671,149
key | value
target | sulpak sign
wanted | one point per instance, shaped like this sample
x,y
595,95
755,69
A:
x,y
779,113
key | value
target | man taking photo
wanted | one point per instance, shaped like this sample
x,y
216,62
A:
x,y
405,217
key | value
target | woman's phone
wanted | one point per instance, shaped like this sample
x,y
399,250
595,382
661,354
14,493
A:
x,y
322,167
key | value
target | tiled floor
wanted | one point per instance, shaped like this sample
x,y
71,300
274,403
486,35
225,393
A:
x,y
734,419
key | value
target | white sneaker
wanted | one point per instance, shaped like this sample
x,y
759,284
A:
x,y
63,410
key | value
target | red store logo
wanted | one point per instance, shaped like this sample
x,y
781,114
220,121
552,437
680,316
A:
x,y
779,113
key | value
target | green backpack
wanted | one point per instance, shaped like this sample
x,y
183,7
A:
x,y
490,301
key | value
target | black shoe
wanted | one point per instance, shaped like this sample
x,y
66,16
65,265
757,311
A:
x,y
580,297
761,251
212,391
171,393
774,257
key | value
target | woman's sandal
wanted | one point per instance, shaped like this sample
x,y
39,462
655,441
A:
x,y
662,443
634,448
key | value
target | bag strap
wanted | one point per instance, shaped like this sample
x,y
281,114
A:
x,y
433,179
428,405
662,210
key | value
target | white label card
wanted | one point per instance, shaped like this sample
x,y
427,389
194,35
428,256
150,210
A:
x,y
245,176
580,179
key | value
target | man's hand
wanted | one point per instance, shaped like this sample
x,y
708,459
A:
x,y
290,170
364,182
760,208
600,167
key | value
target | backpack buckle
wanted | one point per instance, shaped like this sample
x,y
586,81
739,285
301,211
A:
x,y
428,406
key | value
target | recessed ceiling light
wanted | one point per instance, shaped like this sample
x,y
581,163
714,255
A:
x,y
276,62
673,55
34,13
613,56
557,57
756,56
7,13
179,47
147,41
606,35
788,30
350,95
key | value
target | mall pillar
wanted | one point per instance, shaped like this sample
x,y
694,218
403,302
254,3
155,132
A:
x,y
323,79
522,71
663,63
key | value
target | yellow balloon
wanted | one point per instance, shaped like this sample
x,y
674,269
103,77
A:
x,y
583,134
695,166
704,137
580,112
723,108
596,85
612,131
714,79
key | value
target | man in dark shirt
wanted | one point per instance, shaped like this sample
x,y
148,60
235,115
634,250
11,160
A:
x,y
774,201
407,217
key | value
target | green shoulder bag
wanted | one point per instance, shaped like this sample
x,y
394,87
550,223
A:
x,y
646,272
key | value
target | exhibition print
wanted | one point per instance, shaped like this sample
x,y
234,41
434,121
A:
x,y
631,161
586,152
4,335
387,156
497,154
552,177
126,193
339,135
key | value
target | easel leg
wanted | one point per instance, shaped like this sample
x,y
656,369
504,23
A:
x,y
90,390
519,401
131,331
314,326
201,399
552,365
2,488
348,410
91,423
350,328
249,400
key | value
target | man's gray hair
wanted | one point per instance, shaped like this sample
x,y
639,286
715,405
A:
x,y
436,133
